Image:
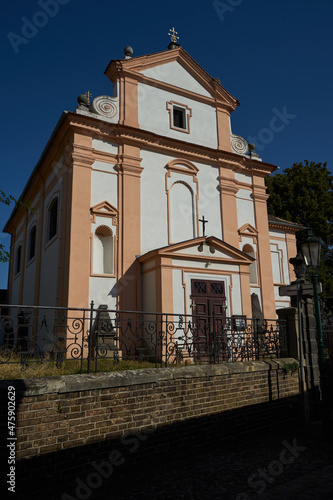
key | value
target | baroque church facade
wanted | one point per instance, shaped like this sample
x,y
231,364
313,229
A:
x,y
145,201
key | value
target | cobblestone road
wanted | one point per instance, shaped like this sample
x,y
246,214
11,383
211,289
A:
x,y
275,465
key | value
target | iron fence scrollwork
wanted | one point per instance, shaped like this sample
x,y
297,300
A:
x,y
91,337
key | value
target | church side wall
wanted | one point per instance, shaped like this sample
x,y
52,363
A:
x,y
18,239
50,252
29,284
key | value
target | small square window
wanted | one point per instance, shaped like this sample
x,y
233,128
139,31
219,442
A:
x,y
179,118
179,115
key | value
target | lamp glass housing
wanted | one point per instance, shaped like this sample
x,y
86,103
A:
x,y
310,249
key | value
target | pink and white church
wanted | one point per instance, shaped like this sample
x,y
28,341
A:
x,y
146,201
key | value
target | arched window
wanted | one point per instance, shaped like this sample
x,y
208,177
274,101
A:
x,y
18,259
103,251
32,243
52,219
253,267
182,222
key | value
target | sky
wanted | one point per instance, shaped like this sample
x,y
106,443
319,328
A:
x,y
274,56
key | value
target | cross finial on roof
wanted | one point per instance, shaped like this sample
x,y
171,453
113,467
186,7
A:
x,y
173,34
88,96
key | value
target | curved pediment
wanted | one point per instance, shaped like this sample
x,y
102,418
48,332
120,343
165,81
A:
x,y
182,166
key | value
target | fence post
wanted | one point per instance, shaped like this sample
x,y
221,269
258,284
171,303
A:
x,y
166,341
214,339
90,333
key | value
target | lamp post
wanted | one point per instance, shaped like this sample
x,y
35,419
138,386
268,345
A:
x,y
310,247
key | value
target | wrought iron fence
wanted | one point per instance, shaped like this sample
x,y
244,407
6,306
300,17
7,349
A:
x,y
41,334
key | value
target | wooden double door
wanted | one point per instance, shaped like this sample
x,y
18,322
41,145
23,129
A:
x,y
209,312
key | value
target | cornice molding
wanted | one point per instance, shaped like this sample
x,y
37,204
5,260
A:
x,y
283,227
82,156
260,196
144,139
130,165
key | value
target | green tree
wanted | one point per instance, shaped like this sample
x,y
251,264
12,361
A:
x,y
6,200
304,194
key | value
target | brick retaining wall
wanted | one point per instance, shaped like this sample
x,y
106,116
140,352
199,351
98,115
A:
x,y
84,413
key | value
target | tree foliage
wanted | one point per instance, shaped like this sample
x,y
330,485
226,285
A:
x,y
304,194
7,200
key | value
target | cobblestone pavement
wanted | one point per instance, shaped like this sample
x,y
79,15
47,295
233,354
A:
x,y
275,465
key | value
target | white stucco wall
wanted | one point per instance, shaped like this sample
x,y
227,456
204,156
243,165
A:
x,y
103,290
108,147
174,74
154,202
279,257
154,116
193,250
245,178
245,208
153,199
209,200
178,292
149,291
104,186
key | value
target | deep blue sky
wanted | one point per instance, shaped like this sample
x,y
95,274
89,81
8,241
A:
x,y
269,54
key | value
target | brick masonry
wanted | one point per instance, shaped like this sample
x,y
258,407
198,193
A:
x,y
82,412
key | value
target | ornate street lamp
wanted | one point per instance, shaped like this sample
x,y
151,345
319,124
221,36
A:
x,y
310,247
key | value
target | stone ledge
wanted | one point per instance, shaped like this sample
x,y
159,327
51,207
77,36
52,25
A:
x,y
87,382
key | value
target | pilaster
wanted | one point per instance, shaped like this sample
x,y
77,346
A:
x,y
79,230
129,168
264,250
128,109
228,190
223,129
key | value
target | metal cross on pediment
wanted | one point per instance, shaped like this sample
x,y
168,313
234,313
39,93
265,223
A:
x,y
173,34
88,96
203,222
